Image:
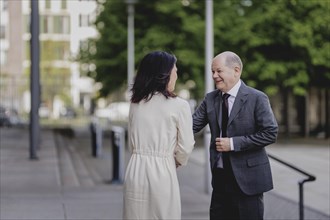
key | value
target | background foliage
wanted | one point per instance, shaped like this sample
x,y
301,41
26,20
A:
x,y
284,45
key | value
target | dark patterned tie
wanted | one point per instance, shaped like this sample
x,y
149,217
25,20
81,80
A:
x,y
224,124
223,160
224,114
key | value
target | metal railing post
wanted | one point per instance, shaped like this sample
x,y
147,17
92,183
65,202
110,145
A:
x,y
300,183
301,200
96,138
118,154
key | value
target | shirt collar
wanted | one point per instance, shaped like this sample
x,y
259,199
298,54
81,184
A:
x,y
233,92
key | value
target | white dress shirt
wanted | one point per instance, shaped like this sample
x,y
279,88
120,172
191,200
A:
x,y
231,99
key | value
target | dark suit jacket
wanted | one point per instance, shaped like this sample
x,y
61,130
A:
x,y
252,126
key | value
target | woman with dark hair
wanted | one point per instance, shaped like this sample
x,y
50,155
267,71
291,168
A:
x,y
161,137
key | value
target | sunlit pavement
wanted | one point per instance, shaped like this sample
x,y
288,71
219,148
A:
x,y
68,183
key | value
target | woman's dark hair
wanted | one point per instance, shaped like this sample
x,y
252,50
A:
x,y
153,76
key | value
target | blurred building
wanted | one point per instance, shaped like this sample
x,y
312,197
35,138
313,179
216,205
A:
x,y
65,25
11,53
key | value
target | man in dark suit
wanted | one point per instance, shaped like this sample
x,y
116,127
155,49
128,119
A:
x,y
242,124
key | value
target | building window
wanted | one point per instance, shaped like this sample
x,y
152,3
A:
x,y
61,24
27,19
83,20
86,20
2,32
44,24
55,50
64,4
3,57
58,24
47,4
27,50
4,5
61,51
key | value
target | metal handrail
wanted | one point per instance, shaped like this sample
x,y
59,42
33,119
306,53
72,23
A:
x,y
300,183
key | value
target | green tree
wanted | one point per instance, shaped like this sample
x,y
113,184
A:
x,y
284,44
175,26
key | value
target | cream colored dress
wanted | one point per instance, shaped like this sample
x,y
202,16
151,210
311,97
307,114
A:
x,y
160,132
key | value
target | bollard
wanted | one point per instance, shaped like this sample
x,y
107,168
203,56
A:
x,y
118,152
96,138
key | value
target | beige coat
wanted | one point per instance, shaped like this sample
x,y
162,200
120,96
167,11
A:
x,y
160,132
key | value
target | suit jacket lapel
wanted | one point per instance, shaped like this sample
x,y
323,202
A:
x,y
239,102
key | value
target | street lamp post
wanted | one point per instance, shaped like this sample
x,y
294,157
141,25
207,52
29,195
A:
x,y
34,83
209,85
130,43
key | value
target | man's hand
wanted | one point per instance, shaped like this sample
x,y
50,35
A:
x,y
177,164
222,144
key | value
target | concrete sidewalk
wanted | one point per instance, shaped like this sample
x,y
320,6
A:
x,y
53,187
68,183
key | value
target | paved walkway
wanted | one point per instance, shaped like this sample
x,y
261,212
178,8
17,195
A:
x,y
68,183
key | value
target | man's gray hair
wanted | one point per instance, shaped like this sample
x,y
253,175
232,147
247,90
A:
x,y
233,60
